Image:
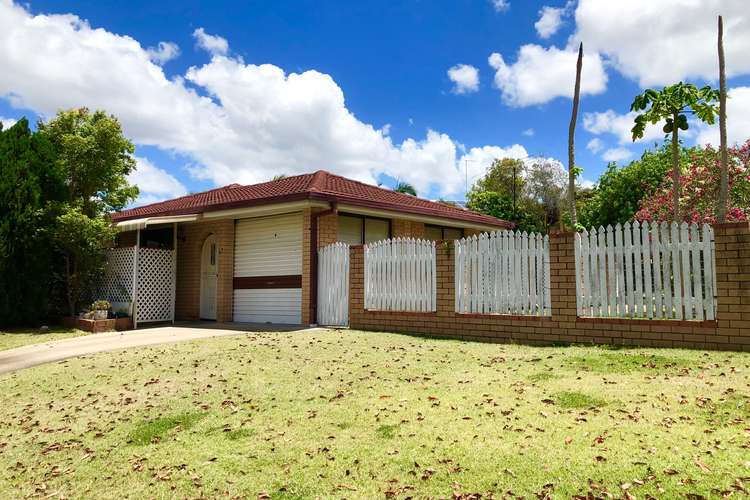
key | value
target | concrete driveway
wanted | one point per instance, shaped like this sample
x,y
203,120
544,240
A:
x,y
48,352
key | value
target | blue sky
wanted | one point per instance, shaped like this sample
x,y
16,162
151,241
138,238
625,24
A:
x,y
375,76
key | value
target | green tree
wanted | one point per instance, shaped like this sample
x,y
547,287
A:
x,y
506,175
31,189
405,188
619,191
500,205
95,158
82,240
528,193
545,186
672,104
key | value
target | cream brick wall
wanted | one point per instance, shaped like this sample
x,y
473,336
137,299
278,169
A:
x,y
401,228
190,238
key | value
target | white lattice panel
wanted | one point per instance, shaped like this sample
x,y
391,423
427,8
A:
x,y
117,283
155,285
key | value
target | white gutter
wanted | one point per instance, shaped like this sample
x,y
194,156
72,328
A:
x,y
130,225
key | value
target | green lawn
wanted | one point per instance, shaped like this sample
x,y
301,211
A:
x,y
372,415
18,338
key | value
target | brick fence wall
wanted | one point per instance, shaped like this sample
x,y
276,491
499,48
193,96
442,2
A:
x,y
730,330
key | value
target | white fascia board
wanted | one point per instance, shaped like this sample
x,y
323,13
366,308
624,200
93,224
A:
x,y
437,221
263,210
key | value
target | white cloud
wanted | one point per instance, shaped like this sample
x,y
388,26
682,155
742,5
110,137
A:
x,y
550,20
620,125
661,42
542,74
500,5
738,120
165,51
213,44
617,154
7,122
257,121
465,78
154,183
529,132
477,161
595,145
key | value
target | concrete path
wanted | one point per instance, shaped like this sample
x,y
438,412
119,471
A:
x,y
48,352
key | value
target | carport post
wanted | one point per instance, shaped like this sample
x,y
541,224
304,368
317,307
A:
x,y
135,276
174,268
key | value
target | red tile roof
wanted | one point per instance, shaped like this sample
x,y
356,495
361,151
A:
x,y
320,185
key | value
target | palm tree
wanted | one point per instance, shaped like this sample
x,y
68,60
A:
x,y
405,188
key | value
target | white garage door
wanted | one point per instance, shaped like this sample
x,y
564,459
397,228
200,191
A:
x,y
268,270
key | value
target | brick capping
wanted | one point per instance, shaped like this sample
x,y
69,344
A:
x,y
729,331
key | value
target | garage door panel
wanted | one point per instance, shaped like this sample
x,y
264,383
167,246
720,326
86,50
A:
x,y
279,306
268,246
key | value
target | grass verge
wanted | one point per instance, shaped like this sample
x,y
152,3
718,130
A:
x,y
18,338
346,414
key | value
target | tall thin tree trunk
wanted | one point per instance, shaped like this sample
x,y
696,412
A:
x,y
721,209
676,169
571,140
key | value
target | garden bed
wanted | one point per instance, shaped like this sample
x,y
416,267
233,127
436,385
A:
x,y
99,325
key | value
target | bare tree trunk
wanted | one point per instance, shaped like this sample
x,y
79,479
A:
x,y
721,209
571,140
676,169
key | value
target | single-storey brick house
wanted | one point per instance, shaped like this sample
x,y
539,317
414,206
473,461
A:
x,y
249,253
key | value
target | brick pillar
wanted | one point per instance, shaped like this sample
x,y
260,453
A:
x,y
562,279
356,283
445,267
733,283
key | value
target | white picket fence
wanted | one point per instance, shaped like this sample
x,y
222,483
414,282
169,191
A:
x,y
400,275
333,285
657,271
503,273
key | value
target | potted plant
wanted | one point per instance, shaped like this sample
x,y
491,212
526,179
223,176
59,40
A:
x,y
101,308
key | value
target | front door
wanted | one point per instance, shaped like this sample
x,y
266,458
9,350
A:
x,y
209,274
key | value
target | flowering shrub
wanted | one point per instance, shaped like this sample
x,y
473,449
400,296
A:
x,y
700,189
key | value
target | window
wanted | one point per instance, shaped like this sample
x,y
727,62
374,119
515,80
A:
x,y
350,229
357,229
162,237
443,233
377,230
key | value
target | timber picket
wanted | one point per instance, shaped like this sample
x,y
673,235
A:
x,y
400,275
333,285
509,274
646,271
